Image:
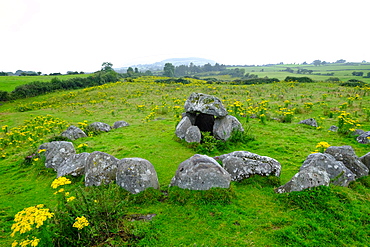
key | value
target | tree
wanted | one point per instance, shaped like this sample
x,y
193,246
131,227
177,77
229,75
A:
x,y
130,71
169,70
136,70
340,61
317,62
106,66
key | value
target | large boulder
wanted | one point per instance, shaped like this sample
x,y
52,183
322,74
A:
x,y
193,134
366,160
243,164
182,127
204,103
311,121
100,168
311,176
57,152
120,124
136,175
338,173
347,155
73,133
74,165
364,138
99,126
200,172
224,126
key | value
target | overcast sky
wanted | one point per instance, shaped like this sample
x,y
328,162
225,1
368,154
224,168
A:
x,y
79,35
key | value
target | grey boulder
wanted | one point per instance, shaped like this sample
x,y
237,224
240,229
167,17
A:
x,y
204,103
182,127
120,124
74,165
223,127
73,133
193,134
201,172
57,152
366,160
338,173
243,164
99,126
364,138
136,175
347,155
100,168
311,121
311,176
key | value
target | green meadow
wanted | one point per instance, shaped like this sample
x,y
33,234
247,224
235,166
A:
x,y
249,213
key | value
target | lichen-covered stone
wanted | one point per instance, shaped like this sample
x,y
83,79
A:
x,y
347,155
224,126
74,165
311,176
311,121
200,172
100,168
338,173
57,152
99,126
364,138
120,124
182,127
136,175
204,103
73,133
193,134
243,164
366,160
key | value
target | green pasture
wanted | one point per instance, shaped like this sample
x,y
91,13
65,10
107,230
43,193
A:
x,y
342,71
250,213
8,83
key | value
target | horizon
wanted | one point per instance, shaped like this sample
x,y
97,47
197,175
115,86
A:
x,y
148,64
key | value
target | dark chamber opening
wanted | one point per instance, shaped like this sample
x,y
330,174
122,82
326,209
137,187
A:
x,y
205,122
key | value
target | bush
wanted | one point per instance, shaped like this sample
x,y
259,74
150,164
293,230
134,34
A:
x,y
353,83
4,96
255,81
303,79
333,79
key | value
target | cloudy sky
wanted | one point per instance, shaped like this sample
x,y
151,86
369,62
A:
x,y
79,35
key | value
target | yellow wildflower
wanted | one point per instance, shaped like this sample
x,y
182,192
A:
x,y
60,181
69,199
81,222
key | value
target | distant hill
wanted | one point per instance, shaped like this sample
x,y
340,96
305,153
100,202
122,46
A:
x,y
175,61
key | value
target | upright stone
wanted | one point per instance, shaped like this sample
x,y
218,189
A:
x,y
200,172
100,168
182,127
136,175
74,165
57,152
366,160
204,103
193,134
347,155
224,126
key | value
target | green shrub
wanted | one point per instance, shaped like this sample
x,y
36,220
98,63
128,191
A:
x,y
303,79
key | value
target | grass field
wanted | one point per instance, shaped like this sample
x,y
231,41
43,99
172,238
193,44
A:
x,y
248,214
342,71
8,83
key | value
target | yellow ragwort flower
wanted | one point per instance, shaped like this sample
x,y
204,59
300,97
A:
x,y
81,222
60,181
